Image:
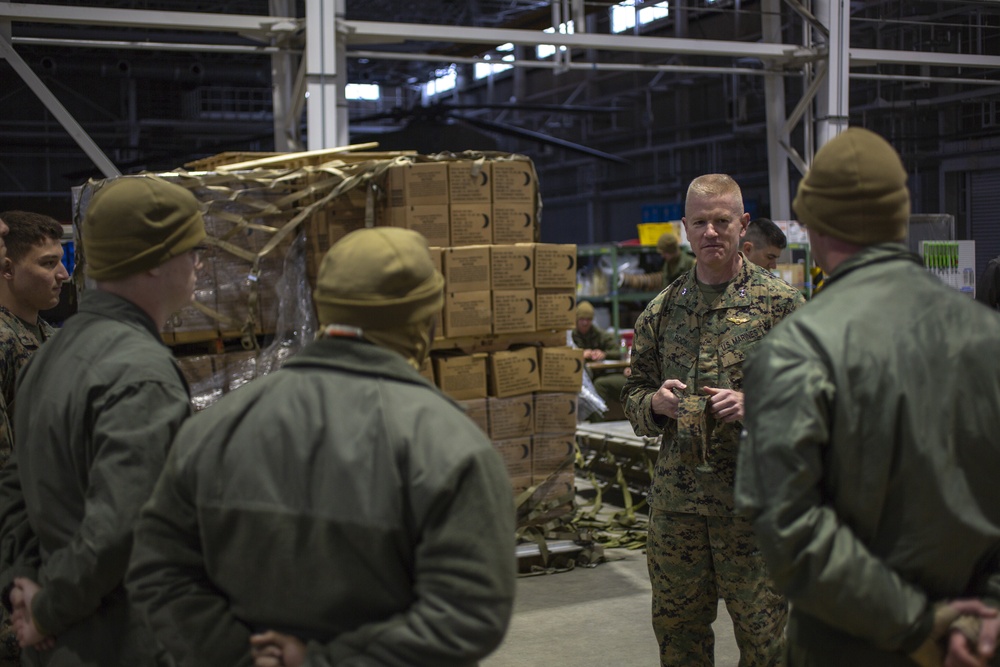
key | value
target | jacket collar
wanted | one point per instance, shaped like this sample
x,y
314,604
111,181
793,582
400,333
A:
x,y
357,356
112,306
21,330
736,295
874,254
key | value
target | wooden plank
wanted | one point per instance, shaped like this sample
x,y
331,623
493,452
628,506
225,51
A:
x,y
286,157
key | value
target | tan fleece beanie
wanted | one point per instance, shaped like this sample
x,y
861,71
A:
x,y
667,243
136,223
855,190
380,279
584,310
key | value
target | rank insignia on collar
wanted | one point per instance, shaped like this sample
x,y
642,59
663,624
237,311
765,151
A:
x,y
738,320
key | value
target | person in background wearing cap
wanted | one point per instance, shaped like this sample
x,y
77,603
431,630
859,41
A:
x,y
598,345
31,280
676,262
364,520
686,384
97,408
870,459
763,243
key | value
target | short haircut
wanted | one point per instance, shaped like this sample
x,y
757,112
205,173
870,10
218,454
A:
x,y
763,232
28,230
716,185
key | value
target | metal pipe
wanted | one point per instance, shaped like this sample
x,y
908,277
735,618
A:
x,y
149,46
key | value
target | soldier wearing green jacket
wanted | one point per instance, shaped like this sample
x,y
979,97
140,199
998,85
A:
x,y
687,384
98,407
341,510
871,454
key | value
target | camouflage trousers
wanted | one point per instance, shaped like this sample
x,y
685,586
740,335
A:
x,y
694,560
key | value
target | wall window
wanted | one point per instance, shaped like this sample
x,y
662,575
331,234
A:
x,y
623,15
362,91
543,51
445,80
504,52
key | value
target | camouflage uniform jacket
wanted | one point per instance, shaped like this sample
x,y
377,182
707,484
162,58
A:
x,y
679,336
385,513
107,400
17,344
871,458
596,339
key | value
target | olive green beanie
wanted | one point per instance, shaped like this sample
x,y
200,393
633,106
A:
x,y
667,243
136,223
855,190
378,278
584,310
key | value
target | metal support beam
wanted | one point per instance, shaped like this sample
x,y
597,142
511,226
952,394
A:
x,y
56,108
326,108
283,67
254,27
777,133
832,110
362,32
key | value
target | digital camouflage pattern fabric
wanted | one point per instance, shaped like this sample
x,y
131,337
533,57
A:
x,y
596,339
17,344
679,336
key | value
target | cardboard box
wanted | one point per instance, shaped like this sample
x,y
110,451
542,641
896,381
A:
x,y
466,269
793,274
469,182
417,184
205,383
552,451
513,372
430,221
513,311
467,314
470,224
461,376
555,309
512,417
560,369
555,266
436,258
514,180
555,412
513,266
476,409
514,222
516,455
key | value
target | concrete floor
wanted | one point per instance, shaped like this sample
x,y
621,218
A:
x,y
592,616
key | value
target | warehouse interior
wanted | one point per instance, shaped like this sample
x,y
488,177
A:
x,y
611,127
617,104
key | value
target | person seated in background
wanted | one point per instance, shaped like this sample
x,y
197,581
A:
x,y
675,263
763,243
599,345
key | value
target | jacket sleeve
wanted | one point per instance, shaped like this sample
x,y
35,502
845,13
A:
x,y
611,345
464,580
18,543
645,380
816,560
132,430
168,583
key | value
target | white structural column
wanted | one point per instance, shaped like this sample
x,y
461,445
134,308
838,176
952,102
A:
x,y
326,73
777,133
832,99
283,68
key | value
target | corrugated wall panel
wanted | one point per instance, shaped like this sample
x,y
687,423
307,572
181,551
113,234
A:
x,y
984,212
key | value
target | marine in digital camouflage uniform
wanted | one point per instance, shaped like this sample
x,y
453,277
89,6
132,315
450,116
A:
x,y
693,335
31,279
17,343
